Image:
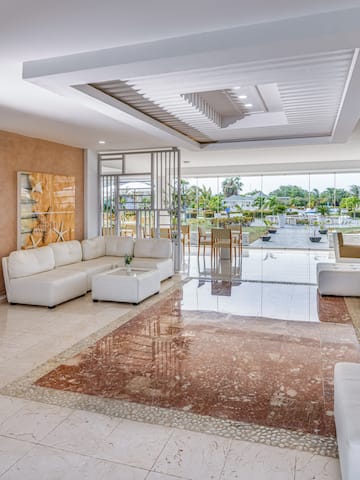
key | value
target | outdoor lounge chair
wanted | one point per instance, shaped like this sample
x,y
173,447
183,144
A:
x,y
345,253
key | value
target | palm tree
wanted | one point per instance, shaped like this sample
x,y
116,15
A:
x,y
323,210
271,203
232,186
333,196
259,202
205,195
355,190
350,203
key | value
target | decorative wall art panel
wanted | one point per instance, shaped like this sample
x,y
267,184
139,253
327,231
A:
x,y
46,209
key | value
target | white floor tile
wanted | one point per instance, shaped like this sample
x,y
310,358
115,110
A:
x,y
11,451
252,461
134,443
81,432
9,406
44,463
315,467
13,369
102,470
129,449
163,476
33,421
193,455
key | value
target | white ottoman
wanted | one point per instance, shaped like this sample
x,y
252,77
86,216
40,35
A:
x,y
347,418
119,286
338,279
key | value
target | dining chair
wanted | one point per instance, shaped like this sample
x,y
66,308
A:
x,y
221,238
128,230
185,237
203,239
236,236
164,232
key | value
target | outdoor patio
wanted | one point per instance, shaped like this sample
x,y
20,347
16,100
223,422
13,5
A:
x,y
296,237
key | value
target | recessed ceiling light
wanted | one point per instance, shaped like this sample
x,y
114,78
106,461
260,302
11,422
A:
x,y
242,96
102,141
236,88
248,105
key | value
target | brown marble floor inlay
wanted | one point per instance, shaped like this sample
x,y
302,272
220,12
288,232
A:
x,y
264,371
332,309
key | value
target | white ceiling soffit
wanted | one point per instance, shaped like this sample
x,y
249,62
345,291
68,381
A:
x,y
298,80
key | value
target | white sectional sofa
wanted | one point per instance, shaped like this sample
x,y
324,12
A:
x,y
341,279
59,272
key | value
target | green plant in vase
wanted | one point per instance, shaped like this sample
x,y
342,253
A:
x,y
315,237
323,230
271,226
128,260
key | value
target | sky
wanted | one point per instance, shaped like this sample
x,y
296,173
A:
x,y
269,183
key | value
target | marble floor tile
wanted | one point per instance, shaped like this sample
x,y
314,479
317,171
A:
x,y
253,369
162,476
11,370
11,451
314,467
252,461
81,432
33,421
282,347
102,470
135,444
44,463
193,455
20,340
269,300
9,351
9,406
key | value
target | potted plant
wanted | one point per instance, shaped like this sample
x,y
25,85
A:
x,y
323,210
271,226
128,260
265,237
314,237
322,229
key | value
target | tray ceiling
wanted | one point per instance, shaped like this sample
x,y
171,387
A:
x,y
287,82
258,100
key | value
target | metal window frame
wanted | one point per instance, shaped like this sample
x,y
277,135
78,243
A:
x,y
165,187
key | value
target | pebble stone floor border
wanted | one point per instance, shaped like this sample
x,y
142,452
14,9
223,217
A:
x,y
25,388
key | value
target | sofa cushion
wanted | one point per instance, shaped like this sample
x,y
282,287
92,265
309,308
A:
x,y
93,248
164,265
66,252
23,263
48,288
119,246
96,265
153,248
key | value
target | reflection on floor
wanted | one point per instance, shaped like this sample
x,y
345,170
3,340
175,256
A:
x,y
263,283
257,345
239,367
284,266
255,299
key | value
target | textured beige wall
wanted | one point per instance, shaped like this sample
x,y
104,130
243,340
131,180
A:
x,y
25,154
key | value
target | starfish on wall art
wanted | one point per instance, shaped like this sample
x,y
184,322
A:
x,y
37,188
60,232
34,242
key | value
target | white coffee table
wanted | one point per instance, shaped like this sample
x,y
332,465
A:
x,y
118,285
